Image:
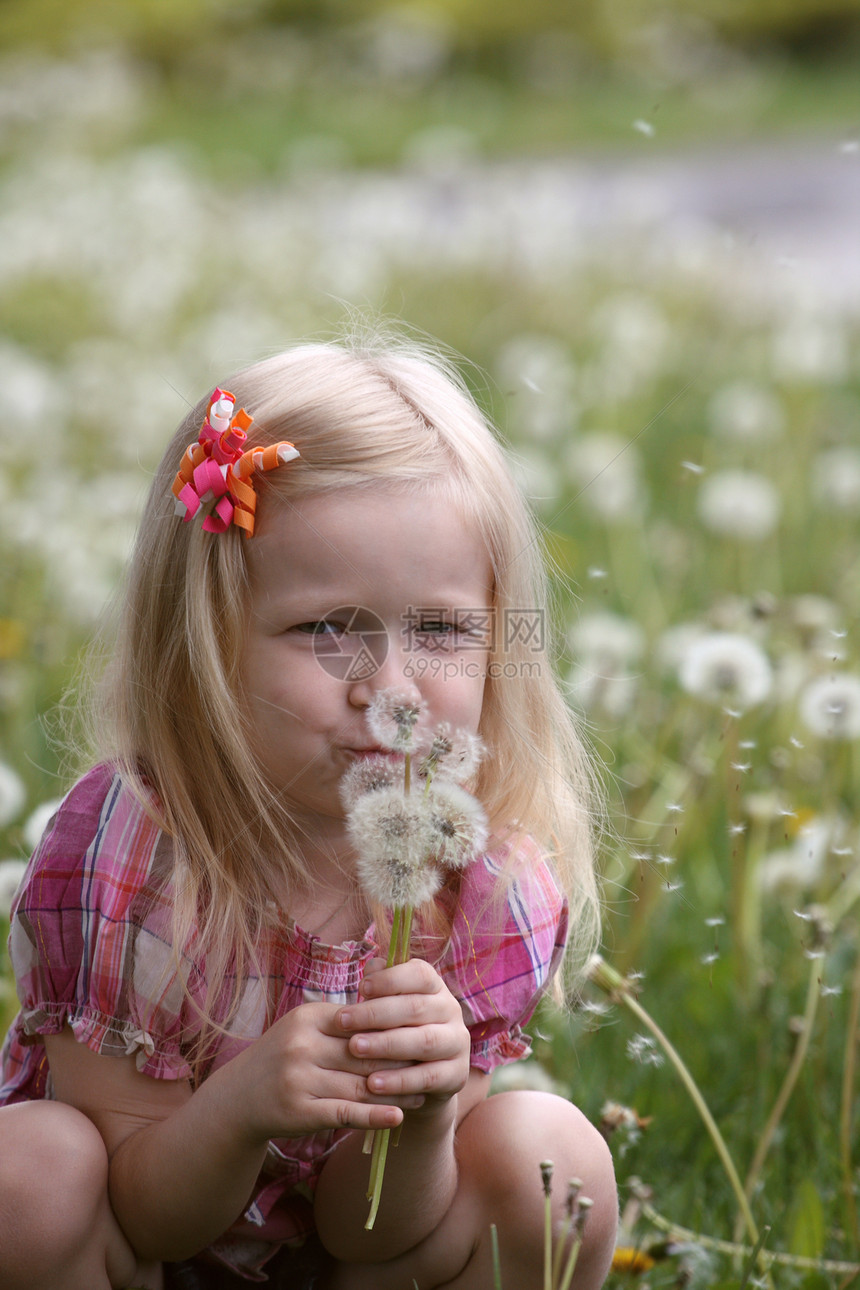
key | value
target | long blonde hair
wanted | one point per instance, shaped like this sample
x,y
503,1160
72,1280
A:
x,y
173,713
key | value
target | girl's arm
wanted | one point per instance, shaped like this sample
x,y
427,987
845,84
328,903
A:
x,y
407,1015
183,1164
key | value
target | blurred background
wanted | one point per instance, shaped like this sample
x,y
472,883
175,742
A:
x,y
639,225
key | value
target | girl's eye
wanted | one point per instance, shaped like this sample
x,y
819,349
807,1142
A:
x,y
319,627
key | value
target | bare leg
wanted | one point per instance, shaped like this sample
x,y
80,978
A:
x,y
58,1229
499,1148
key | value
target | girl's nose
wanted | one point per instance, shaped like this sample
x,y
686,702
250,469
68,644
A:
x,y
394,672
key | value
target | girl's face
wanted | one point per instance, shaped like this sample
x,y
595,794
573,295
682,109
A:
x,y
353,592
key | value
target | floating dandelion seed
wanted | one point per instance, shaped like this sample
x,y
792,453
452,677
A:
x,y
644,127
830,706
693,467
643,1049
726,668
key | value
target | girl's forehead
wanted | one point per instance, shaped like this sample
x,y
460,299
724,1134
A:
x,y
367,533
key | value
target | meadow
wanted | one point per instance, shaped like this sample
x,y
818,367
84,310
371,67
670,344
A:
x,y
683,405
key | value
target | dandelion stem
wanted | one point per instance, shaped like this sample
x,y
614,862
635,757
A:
x,y
766,1257
377,1170
546,1176
614,984
395,936
813,994
849,1068
497,1263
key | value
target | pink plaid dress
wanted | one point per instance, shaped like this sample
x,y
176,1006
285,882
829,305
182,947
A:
x,y
90,945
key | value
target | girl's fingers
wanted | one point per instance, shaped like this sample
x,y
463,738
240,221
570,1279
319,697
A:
x,y
437,1079
414,977
413,1044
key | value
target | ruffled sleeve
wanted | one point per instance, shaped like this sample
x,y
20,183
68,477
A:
x,y
90,943
507,942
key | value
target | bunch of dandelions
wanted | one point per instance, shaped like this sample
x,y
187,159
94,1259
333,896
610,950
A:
x,y
411,823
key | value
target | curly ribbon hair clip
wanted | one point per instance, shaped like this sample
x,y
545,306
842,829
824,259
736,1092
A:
x,y
220,469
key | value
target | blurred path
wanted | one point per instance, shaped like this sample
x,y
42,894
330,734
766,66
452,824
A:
x,y
798,202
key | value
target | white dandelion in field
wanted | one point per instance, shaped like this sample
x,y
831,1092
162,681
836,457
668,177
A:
x,y
606,646
604,469
739,503
836,478
745,411
726,668
11,873
38,820
829,706
800,865
13,794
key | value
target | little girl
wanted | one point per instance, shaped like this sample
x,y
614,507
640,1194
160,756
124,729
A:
x,y
207,1026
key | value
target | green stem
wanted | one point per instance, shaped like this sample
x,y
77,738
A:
x,y
813,994
849,1068
614,984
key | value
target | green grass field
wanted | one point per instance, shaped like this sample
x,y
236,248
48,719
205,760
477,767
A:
x,y
684,411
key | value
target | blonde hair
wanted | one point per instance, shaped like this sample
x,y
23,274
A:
x,y
173,713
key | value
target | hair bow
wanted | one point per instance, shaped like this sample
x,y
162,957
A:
x,y
219,468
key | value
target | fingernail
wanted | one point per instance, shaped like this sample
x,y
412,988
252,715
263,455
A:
x,y
360,1045
346,1020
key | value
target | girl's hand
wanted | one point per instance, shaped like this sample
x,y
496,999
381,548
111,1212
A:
x,y
411,1026
301,1076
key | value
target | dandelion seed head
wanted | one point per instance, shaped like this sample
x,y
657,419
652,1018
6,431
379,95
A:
x,y
829,706
11,873
836,478
368,775
746,412
726,668
13,794
392,717
740,504
452,754
458,825
389,825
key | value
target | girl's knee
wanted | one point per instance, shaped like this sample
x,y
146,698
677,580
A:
x,y
502,1144
53,1180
